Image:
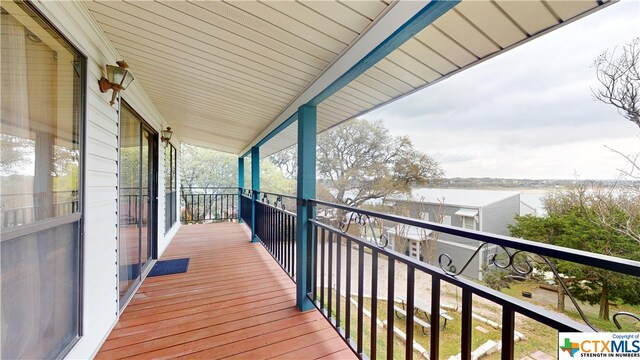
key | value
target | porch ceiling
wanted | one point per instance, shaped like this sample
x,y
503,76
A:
x,y
225,74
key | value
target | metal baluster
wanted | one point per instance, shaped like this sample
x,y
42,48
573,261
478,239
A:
x,y
198,207
374,305
280,239
465,338
390,303
314,290
347,325
330,275
338,282
293,248
410,310
288,241
508,328
435,317
322,270
360,297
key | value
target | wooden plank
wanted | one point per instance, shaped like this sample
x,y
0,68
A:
x,y
315,351
338,355
234,300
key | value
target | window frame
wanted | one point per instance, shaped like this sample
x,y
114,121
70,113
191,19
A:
x,y
78,217
171,217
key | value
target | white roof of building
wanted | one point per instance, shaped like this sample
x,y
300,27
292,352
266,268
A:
x,y
412,233
467,212
460,197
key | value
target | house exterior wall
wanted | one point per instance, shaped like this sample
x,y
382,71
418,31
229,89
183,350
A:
x,y
497,217
100,218
459,249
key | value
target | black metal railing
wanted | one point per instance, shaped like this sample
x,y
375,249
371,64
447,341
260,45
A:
x,y
208,204
132,210
276,229
347,265
356,263
245,209
22,209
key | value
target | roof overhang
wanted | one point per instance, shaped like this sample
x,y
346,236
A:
x,y
467,212
231,75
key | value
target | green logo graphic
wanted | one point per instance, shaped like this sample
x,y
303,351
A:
x,y
570,347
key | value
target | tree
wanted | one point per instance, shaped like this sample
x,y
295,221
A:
x,y
202,167
15,154
287,161
272,180
360,160
619,77
206,168
569,223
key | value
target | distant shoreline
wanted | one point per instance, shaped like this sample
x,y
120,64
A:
x,y
516,184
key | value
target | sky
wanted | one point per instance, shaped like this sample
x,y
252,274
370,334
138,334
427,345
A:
x,y
527,113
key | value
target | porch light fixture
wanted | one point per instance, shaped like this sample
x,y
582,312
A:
x,y
165,135
118,78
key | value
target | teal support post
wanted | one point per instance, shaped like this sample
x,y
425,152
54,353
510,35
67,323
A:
x,y
255,187
240,187
306,190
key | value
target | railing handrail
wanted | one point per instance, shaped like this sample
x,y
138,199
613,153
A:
x,y
294,197
533,311
209,187
276,208
620,265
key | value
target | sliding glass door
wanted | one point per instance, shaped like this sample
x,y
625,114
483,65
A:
x,y
137,199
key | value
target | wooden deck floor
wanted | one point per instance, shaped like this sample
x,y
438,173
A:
x,y
233,302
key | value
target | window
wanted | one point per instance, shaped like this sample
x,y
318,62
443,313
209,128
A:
x,y
171,190
424,216
469,222
41,195
446,220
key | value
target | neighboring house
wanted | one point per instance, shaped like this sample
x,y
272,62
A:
x,y
481,210
527,209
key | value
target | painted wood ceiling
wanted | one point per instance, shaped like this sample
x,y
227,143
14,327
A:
x,y
224,73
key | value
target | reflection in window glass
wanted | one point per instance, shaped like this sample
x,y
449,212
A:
x,y
40,136
171,192
40,131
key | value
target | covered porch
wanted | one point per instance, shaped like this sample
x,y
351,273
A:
x,y
252,79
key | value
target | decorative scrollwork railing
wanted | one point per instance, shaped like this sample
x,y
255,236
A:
x,y
512,264
334,243
364,222
623,313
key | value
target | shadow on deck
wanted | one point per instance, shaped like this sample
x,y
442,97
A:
x,y
233,302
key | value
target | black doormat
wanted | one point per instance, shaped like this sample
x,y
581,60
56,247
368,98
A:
x,y
167,267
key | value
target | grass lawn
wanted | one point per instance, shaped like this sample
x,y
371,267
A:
x,y
449,337
590,310
537,335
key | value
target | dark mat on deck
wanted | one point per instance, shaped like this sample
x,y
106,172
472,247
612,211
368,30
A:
x,y
167,267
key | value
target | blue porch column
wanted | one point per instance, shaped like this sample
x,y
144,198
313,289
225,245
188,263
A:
x,y
255,186
306,190
240,186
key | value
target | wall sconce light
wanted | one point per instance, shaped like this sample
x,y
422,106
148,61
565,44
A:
x,y
118,78
165,135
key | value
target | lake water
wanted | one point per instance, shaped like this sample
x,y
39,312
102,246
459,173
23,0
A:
x,y
534,198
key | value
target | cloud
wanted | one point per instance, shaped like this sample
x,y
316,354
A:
x,y
528,112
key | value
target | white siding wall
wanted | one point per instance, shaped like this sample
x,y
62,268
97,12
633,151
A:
x,y
497,216
100,294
